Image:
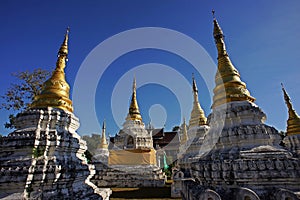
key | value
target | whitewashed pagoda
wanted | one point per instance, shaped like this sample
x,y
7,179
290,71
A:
x,y
195,131
133,144
240,157
132,158
44,158
192,141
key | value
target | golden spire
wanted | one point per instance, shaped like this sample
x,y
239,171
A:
x,y
293,122
134,112
229,86
55,91
103,144
197,115
184,133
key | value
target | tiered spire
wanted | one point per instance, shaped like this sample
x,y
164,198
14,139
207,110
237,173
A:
x,y
229,86
55,91
134,112
293,122
103,144
197,115
184,138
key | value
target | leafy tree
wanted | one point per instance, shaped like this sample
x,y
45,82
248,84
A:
x,y
20,94
89,156
11,122
92,142
176,128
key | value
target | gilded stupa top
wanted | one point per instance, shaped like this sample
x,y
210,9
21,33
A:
x,y
55,91
229,86
197,115
103,144
293,122
134,112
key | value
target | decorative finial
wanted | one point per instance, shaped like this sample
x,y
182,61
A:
x,y
67,32
213,13
195,89
103,125
286,98
63,51
67,36
134,84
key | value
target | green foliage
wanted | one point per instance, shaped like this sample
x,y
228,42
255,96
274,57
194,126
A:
x,y
11,122
37,152
168,171
21,93
175,128
88,156
92,142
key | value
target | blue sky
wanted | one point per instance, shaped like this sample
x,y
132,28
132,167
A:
x,y
262,39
